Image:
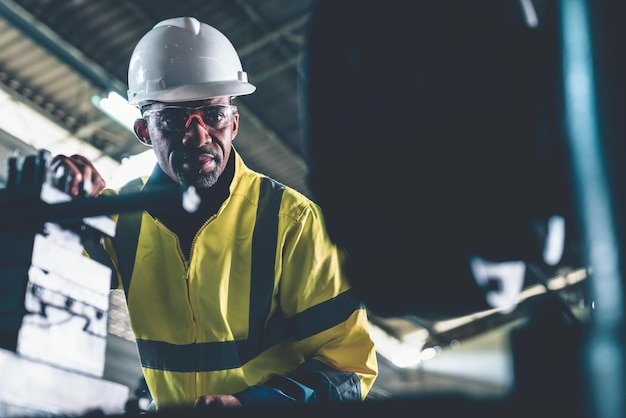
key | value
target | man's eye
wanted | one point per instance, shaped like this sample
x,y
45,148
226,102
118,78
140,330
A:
x,y
172,119
213,117
168,122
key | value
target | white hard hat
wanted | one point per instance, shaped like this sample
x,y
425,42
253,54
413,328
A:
x,y
182,59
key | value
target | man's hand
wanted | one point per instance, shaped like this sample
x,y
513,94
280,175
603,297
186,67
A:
x,y
76,175
217,401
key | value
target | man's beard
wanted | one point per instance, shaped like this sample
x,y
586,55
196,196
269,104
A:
x,y
201,180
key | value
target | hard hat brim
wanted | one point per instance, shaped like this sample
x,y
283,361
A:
x,y
189,93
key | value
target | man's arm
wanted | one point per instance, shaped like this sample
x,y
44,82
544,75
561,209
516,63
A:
x,y
329,322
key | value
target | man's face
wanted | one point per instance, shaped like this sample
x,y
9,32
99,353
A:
x,y
192,140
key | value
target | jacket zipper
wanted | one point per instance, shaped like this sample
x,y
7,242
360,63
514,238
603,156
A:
x,y
186,274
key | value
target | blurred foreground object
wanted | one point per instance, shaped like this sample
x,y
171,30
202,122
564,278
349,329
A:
x,y
447,164
446,145
55,300
54,305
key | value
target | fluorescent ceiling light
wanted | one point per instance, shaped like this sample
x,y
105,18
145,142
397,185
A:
x,y
118,109
26,125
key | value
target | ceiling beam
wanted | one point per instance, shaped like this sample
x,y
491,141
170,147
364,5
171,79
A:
x,y
274,37
58,47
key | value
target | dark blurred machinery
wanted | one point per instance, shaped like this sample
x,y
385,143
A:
x,y
54,303
462,127
55,299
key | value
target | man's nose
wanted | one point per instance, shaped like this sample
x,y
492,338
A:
x,y
196,132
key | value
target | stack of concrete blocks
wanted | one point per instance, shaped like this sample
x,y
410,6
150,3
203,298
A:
x,y
54,303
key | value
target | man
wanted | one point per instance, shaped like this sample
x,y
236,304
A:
x,y
243,301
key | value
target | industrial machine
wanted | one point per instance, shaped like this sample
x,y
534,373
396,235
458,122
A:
x,y
54,299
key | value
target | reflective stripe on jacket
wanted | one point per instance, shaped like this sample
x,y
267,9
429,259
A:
x,y
261,296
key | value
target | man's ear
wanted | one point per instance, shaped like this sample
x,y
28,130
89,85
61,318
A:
x,y
141,131
235,125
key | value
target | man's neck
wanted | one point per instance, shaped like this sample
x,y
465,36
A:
x,y
185,224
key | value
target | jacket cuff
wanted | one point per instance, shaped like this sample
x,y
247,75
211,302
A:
x,y
279,389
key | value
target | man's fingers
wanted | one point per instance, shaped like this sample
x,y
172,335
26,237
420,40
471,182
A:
x,y
217,401
66,174
93,183
76,175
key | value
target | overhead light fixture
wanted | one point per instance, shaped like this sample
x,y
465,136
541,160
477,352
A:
x,y
118,109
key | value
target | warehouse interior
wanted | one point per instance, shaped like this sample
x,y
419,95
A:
x,y
63,67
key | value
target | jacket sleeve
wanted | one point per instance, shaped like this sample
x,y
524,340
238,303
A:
x,y
328,321
313,381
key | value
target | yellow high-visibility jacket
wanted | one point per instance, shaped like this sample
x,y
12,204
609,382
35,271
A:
x,y
260,309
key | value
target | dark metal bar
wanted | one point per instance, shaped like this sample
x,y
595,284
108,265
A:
x,y
588,137
19,214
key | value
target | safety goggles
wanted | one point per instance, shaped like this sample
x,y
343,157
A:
x,y
178,118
